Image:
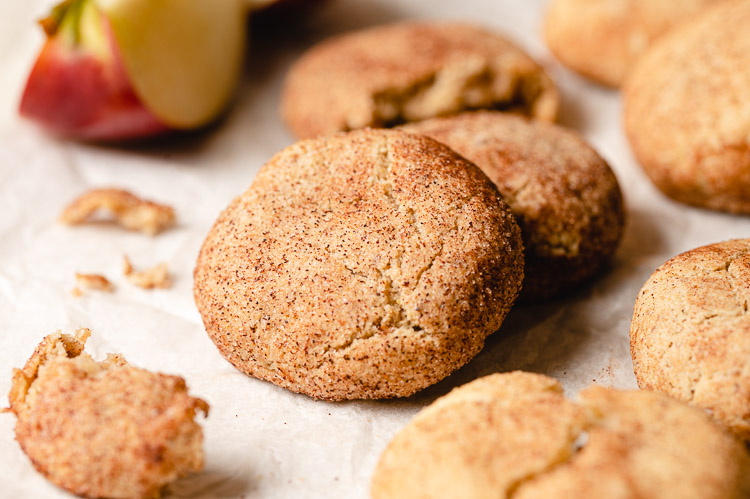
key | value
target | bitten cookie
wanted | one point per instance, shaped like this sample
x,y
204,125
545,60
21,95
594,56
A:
x,y
687,110
405,72
690,335
602,39
563,194
103,429
364,265
516,435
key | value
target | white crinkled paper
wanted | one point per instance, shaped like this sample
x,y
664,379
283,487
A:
x,y
261,440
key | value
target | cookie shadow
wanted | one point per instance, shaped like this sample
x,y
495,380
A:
x,y
571,114
517,345
339,16
209,484
647,233
325,18
561,335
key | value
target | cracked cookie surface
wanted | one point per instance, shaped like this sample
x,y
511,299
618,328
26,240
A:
x,y
406,72
563,194
686,108
516,435
365,265
103,429
690,334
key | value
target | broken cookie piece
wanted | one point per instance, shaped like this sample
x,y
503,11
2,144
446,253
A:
x,y
516,435
128,210
154,277
103,429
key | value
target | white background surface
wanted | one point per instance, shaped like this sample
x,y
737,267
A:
x,y
260,440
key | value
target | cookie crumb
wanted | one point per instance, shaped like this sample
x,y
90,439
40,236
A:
x,y
154,277
128,210
91,282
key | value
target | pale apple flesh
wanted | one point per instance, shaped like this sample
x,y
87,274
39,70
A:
x,y
184,57
78,88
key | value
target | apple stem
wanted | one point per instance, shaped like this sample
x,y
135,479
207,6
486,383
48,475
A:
x,y
64,19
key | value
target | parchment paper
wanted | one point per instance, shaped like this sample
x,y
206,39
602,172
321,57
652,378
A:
x,y
261,440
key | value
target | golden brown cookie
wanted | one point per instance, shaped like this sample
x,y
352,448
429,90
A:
x,y
405,72
563,194
690,335
363,265
687,110
103,429
516,435
601,39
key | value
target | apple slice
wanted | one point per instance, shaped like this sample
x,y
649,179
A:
x,y
78,86
123,69
183,57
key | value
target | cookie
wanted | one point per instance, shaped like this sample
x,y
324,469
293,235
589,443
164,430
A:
x,y
602,39
392,74
563,194
690,334
687,110
516,435
103,429
363,265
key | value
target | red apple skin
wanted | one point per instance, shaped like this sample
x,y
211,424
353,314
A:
x,y
74,94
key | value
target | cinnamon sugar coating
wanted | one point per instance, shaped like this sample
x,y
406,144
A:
x,y
516,435
364,265
690,334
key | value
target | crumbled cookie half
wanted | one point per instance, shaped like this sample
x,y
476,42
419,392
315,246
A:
x,y
516,435
103,429
398,73
153,277
128,210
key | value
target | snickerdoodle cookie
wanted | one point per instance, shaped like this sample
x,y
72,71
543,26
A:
x,y
601,39
516,435
103,429
406,72
690,335
687,110
363,265
563,194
